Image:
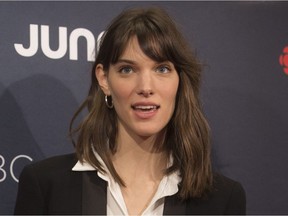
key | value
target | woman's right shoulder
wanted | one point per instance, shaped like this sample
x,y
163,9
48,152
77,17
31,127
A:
x,y
45,180
54,164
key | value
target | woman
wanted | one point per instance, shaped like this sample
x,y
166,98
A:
x,y
143,148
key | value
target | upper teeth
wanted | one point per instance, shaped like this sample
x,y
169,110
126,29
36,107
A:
x,y
145,107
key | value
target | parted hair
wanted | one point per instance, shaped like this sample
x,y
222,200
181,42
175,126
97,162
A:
x,y
187,133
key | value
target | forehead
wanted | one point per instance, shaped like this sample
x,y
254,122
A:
x,y
145,48
133,50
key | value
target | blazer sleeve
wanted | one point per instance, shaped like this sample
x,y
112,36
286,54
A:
x,y
30,199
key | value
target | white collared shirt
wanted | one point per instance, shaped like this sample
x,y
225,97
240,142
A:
x,y
115,201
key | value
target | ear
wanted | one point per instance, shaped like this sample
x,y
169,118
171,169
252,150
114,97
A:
x,y
102,79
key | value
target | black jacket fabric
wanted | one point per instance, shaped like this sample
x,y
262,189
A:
x,y
51,187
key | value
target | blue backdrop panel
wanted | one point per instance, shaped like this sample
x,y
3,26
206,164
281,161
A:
x,y
45,62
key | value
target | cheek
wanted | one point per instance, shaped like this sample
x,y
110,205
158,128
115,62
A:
x,y
169,97
173,96
171,92
120,93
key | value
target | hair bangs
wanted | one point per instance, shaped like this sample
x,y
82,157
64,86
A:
x,y
154,36
119,46
154,47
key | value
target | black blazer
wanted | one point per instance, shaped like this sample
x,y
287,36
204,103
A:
x,y
51,187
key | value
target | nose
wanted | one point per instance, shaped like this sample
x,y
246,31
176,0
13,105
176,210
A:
x,y
145,84
146,92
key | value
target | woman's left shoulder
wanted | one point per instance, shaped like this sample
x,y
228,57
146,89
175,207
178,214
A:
x,y
230,192
227,196
225,184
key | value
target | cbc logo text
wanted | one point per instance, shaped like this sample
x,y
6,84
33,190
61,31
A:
x,y
4,174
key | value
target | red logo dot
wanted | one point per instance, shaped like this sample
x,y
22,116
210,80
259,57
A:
x,y
283,60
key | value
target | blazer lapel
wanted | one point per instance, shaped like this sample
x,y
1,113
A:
x,y
94,197
94,194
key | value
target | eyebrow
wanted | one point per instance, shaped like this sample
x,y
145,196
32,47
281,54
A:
x,y
127,61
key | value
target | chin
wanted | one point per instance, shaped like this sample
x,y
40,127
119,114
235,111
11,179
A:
x,y
148,133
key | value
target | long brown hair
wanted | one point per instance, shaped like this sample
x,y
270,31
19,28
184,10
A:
x,y
187,133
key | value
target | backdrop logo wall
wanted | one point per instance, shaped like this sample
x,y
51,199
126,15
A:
x,y
64,40
283,60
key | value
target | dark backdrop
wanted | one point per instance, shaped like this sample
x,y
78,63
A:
x,y
244,91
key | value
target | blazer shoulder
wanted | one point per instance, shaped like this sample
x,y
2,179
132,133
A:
x,y
221,182
231,193
49,186
56,168
226,197
66,161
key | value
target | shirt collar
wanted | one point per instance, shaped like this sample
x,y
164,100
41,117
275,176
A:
x,y
167,187
85,166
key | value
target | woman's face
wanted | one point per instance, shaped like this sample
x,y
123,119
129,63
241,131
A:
x,y
143,91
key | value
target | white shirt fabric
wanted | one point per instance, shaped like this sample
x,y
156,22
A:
x,y
115,201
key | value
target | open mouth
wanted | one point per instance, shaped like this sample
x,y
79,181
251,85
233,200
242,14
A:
x,y
145,108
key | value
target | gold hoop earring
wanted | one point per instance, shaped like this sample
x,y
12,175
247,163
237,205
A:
x,y
111,105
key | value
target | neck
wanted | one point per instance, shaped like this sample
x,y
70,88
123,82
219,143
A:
x,y
137,157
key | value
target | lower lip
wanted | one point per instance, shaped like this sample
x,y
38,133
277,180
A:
x,y
145,115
